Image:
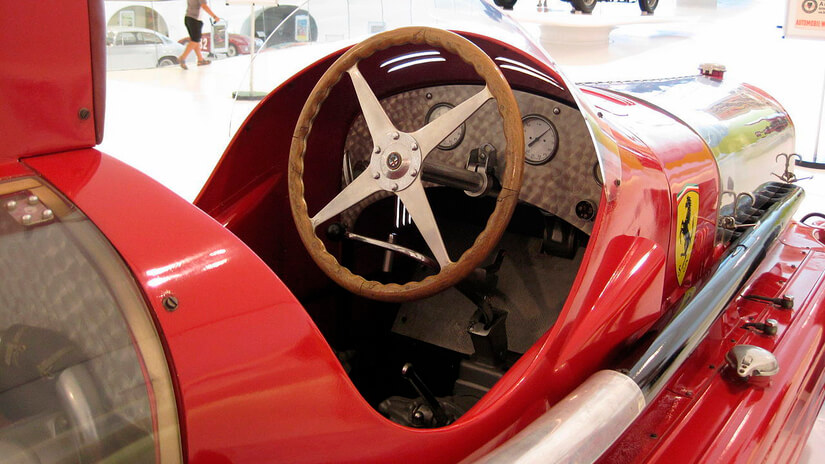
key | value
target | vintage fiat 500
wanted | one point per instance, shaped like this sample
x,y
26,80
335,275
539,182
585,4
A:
x,y
427,246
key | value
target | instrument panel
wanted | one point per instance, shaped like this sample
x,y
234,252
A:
x,y
560,159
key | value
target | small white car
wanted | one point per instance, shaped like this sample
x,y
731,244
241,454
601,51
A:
x,y
136,48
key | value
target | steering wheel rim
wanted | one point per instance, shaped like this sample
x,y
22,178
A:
x,y
383,131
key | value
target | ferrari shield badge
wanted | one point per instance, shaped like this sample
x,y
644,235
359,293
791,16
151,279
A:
x,y
687,212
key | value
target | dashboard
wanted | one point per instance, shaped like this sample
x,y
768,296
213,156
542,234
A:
x,y
561,174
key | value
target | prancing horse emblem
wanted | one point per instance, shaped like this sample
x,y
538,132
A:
x,y
687,213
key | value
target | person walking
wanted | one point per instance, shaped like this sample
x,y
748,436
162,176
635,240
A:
x,y
194,26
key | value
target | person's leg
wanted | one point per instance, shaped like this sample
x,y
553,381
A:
x,y
197,33
198,52
191,45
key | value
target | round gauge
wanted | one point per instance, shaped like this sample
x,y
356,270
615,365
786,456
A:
x,y
540,139
455,138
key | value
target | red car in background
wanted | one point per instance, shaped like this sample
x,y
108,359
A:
x,y
426,247
239,44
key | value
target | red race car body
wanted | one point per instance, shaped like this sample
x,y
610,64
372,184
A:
x,y
653,302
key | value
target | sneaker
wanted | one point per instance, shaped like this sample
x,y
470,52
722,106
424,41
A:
x,y
204,62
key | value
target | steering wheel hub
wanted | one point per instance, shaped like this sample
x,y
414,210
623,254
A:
x,y
398,162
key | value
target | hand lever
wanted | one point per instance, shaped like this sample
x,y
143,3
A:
x,y
438,412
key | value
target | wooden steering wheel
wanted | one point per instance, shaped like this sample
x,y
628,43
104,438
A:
x,y
397,159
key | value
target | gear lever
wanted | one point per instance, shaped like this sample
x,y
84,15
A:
x,y
438,412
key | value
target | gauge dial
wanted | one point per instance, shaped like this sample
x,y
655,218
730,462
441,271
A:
x,y
455,138
540,139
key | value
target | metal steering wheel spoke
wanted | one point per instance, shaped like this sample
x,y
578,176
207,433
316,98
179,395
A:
x,y
378,122
415,199
359,189
429,136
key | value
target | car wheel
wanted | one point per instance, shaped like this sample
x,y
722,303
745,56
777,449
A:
x,y
233,50
647,6
506,4
167,61
586,6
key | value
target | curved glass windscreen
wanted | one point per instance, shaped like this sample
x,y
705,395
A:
x,y
83,377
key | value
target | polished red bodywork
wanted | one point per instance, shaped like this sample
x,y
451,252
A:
x,y
257,382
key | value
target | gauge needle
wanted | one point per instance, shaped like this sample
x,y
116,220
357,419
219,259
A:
x,y
538,137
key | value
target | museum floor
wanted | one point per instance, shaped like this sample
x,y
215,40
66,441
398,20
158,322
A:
x,y
174,124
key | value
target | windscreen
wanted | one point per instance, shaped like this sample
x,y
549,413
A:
x,y
82,373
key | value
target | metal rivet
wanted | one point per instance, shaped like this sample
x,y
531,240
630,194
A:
x,y
395,136
376,150
33,200
84,114
11,205
27,219
170,303
413,172
429,96
556,111
376,175
394,187
47,214
617,182
414,146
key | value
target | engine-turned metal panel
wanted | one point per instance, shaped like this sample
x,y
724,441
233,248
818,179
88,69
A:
x,y
556,186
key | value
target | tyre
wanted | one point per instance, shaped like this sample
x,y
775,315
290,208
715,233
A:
x,y
647,6
167,61
586,6
232,50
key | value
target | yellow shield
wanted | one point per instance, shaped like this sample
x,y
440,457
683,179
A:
x,y
687,212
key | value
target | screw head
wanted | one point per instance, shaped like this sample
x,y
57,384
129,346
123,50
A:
x,y
84,114
376,175
395,135
394,187
11,205
376,150
414,146
27,219
170,303
33,200
413,172
47,214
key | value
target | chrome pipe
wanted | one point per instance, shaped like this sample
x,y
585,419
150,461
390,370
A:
x,y
578,428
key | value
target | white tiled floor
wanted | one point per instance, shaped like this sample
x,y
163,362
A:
x,y
174,124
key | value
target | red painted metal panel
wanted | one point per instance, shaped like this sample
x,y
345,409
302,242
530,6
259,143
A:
x,y
712,416
44,84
